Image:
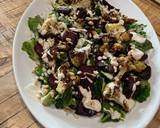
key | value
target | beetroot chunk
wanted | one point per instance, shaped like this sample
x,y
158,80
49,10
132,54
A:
x,y
38,49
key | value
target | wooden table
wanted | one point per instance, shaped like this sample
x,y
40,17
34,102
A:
x,y
13,112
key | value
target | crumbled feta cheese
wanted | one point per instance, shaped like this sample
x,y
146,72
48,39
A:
x,y
134,87
89,80
86,49
56,81
49,71
121,22
107,54
83,49
90,23
41,41
138,38
114,61
60,76
95,72
78,30
136,53
79,72
44,55
99,58
104,57
46,46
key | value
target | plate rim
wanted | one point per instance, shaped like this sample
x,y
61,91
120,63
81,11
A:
x,y
39,119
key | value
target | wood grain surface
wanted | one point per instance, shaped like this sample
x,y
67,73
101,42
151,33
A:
x,y
13,112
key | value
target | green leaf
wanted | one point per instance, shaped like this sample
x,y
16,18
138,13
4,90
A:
x,y
106,117
147,45
47,100
97,87
38,70
28,47
33,23
97,11
143,91
67,22
138,28
59,103
98,30
65,100
74,70
67,97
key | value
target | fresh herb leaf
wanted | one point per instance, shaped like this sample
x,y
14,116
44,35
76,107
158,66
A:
x,y
59,103
40,73
98,30
106,117
65,100
138,28
38,70
147,45
33,23
67,22
108,76
67,97
74,70
108,107
47,100
28,47
97,87
143,91
97,11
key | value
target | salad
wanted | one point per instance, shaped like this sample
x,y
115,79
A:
x,y
90,60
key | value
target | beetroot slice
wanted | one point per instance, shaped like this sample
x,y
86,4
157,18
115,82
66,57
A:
x,y
38,49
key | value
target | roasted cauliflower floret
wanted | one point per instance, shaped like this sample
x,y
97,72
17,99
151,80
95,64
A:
x,y
125,36
78,59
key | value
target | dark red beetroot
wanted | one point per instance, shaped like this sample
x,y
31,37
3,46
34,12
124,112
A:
x,y
38,49
104,2
64,10
85,83
88,69
128,21
128,82
51,81
81,110
46,36
78,96
146,73
53,51
144,57
71,35
81,13
110,69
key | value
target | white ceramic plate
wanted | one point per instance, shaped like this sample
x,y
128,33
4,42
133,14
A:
x,y
53,118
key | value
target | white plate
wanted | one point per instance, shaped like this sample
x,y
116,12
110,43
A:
x,y
53,118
